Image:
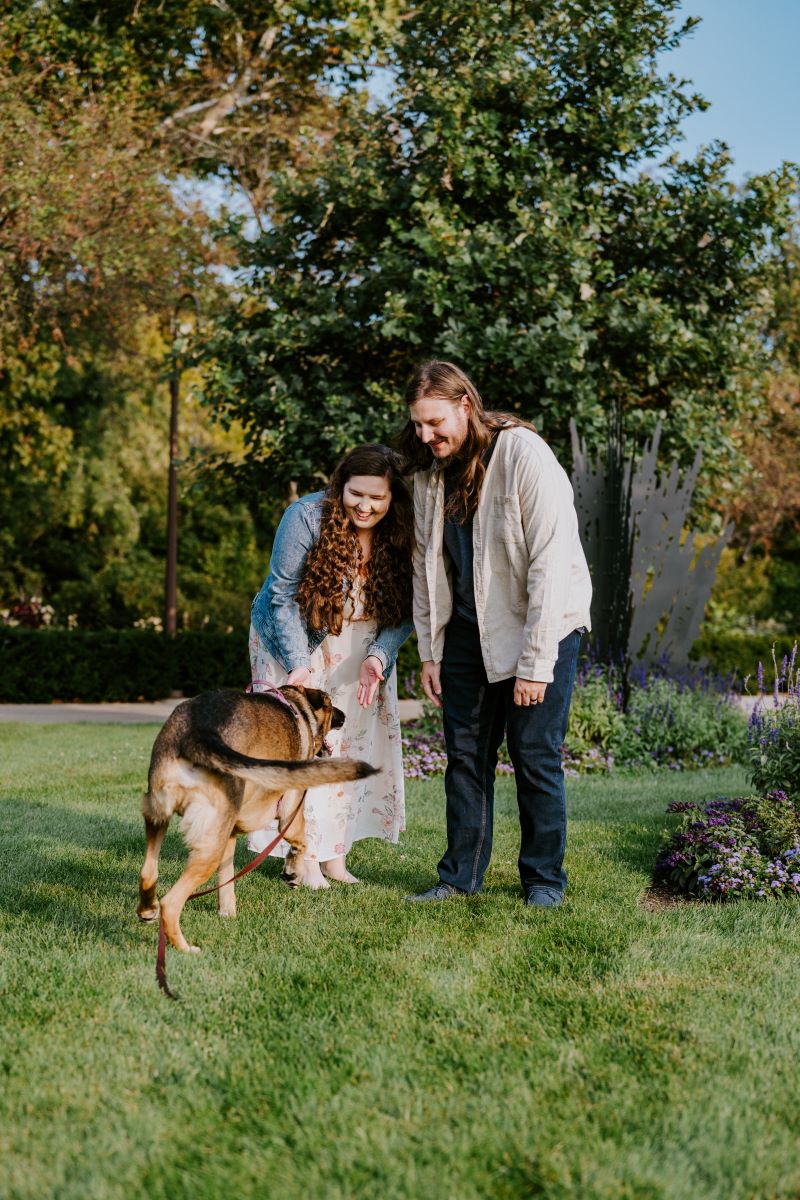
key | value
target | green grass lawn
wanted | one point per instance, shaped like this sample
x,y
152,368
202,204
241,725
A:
x,y
342,1044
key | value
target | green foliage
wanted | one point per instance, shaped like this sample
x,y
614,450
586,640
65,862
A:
x,y
595,720
729,849
408,668
93,250
779,819
39,666
489,211
221,89
85,526
669,723
742,592
739,654
759,586
775,744
90,234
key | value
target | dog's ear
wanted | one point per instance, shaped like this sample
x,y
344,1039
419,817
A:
x,y
324,712
316,698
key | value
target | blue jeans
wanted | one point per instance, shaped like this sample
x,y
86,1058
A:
x,y
476,715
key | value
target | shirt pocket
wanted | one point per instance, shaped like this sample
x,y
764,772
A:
x,y
507,519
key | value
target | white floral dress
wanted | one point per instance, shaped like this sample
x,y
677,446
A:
x,y
339,814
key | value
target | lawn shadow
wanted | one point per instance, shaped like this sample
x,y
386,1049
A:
x,y
634,848
93,863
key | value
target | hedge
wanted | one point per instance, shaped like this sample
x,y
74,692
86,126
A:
x,y
740,653
41,665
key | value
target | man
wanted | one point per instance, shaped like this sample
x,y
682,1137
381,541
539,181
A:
x,y
501,596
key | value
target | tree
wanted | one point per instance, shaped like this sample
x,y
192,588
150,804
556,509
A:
x,y
760,576
94,250
490,211
89,231
87,532
103,112
220,87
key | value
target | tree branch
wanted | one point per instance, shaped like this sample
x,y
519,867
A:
x,y
217,108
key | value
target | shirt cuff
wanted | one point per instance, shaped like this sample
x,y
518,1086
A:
x,y
376,652
540,670
297,663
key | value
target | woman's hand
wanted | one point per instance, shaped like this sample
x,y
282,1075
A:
x,y
299,677
431,681
370,675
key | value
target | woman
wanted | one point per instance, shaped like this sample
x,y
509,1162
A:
x,y
333,612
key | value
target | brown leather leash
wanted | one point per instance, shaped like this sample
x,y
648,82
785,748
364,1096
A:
x,y
161,956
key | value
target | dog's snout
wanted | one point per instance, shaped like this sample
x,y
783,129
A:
x,y
337,718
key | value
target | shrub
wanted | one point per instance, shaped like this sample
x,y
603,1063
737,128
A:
x,y
596,722
691,721
671,723
408,668
744,846
775,733
738,654
779,822
41,665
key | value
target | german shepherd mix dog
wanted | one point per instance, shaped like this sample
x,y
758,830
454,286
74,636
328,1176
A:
x,y
228,763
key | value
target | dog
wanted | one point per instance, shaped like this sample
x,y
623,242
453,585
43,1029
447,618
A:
x,y
228,763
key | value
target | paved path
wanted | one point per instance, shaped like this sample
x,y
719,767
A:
x,y
157,711
121,714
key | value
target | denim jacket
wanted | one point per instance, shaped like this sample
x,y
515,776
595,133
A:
x,y
275,614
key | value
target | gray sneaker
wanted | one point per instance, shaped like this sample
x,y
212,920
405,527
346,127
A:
x,y
543,897
439,891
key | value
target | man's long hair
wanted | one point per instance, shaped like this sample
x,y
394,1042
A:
x,y
333,563
439,380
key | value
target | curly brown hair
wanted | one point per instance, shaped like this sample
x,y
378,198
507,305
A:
x,y
439,380
335,560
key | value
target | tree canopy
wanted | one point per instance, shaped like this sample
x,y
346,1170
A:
x,y
491,209
471,180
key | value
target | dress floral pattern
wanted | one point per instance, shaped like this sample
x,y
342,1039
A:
x,y
338,815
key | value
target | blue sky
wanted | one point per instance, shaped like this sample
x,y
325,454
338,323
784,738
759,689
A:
x,y
744,59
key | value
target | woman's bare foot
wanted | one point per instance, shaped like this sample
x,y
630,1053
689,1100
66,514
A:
x,y
311,876
336,869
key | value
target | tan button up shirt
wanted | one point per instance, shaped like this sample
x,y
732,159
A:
x,y
532,584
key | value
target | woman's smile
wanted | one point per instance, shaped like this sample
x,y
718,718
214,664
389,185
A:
x,y
366,499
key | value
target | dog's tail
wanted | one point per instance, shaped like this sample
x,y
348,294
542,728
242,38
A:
x,y
207,749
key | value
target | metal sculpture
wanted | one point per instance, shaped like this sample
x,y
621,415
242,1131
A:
x,y
652,576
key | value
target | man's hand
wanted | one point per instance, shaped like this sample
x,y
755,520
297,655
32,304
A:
x,y
370,675
299,677
527,692
431,682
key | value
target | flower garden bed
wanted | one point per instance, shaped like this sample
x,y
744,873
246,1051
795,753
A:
x,y
746,846
693,721
733,847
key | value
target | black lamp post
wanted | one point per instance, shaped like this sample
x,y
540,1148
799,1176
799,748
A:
x,y
184,320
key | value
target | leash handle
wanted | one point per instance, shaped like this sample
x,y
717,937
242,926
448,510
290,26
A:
x,y
161,954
